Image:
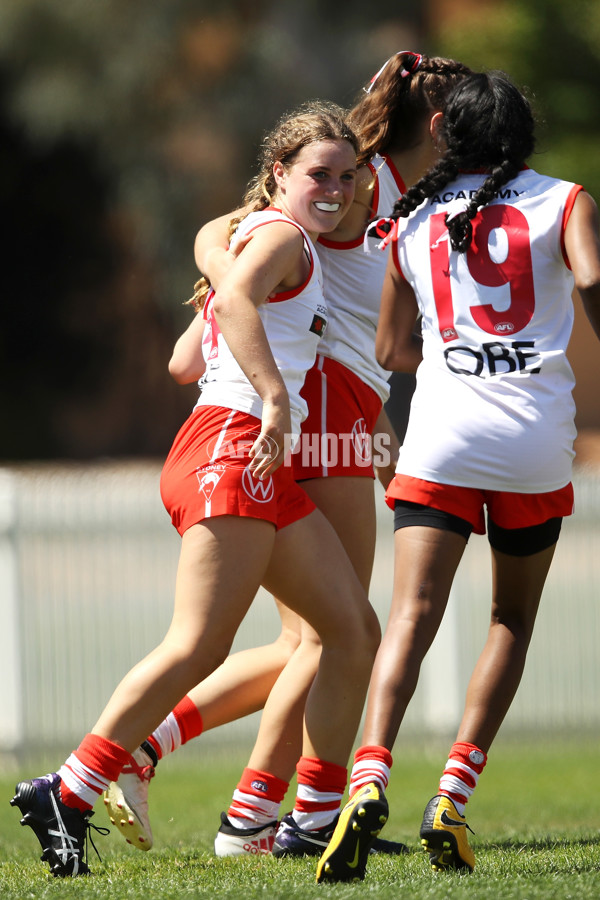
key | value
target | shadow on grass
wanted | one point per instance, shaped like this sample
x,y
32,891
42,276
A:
x,y
519,846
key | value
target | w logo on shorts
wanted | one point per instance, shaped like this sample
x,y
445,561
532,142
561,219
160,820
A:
x,y
361,440
260,491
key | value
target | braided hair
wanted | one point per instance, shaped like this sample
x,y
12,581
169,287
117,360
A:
x,y
408,87
313,121
487,124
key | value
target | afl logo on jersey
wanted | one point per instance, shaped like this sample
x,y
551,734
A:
x,y
504,327
449,334
261,491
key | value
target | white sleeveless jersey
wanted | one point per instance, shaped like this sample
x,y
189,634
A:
x,y
294,322
353,279
493,406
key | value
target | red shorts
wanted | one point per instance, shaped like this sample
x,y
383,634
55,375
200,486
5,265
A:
x,y
206,474
505,508
336,435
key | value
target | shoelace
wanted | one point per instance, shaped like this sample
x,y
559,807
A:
x,y
101,830
69,843
144,773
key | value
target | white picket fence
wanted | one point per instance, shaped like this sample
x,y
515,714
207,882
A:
x,y
87,568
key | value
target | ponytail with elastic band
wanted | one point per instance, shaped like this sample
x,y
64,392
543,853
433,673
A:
x,y
410,63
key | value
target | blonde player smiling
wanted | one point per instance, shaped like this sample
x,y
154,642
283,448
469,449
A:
x,y
345,390
265,323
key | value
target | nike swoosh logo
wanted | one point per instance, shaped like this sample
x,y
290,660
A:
x,y
354,863
446,820
309,840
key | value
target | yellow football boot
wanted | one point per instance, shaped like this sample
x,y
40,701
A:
x,y
444,836
361,820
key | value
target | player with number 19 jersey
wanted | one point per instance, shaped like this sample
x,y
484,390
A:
x,y
495,380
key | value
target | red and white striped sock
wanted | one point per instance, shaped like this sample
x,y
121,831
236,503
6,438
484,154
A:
x,y
321,786
461,773
180,726
371,764
257,799
89,770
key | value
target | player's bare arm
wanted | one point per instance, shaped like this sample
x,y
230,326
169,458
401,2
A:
x,y
397,347
582,243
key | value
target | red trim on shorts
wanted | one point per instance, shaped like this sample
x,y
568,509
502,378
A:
x,y
206,474
342,412
506,508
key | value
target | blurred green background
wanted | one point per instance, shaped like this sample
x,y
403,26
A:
x,y
125,125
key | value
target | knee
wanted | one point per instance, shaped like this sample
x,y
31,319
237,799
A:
x,y
515,627
197,660
366,626
288,642
365,633
307,656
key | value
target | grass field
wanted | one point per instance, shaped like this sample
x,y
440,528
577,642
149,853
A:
x,y
536,814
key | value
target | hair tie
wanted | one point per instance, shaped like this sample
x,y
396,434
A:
x,y
411,68
386,229
407,69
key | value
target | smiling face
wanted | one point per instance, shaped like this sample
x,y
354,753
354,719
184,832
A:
x,y
317,187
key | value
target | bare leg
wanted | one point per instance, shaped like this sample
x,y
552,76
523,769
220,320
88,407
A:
x,y
425,562
328,595
518,584
212,596
241,685
278,744
517,588
349,504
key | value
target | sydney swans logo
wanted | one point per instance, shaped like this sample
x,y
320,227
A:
x,y
208,480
